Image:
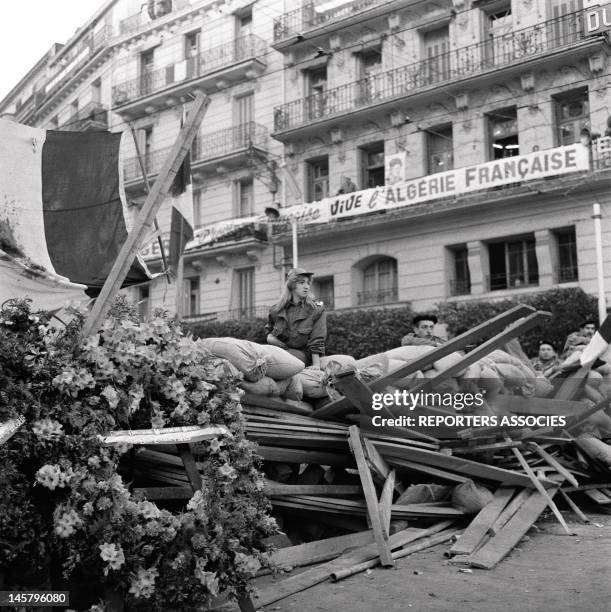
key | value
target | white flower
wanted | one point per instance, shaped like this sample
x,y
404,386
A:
x,y
47,429
248,564
143,584
113,555
111,395
226,471
67,523
49,476
149,510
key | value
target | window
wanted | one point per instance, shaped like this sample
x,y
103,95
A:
x,y
146,147
191,289
503,133
144,303
244,23
500,41
565,25
316,87
318,179
379,283
323,290
513,264
460,281
147,62
572,115
192,55
246,292
436,53
372,166
370,69
244,197
243,115
566,243
440,149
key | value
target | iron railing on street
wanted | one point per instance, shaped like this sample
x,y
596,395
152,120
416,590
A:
x,y
511,48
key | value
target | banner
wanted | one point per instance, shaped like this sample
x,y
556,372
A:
x,y
507,171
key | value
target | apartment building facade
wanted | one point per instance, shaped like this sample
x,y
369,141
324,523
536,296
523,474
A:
x,y
312,99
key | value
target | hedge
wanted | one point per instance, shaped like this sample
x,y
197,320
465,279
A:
x,y
569,308
364,332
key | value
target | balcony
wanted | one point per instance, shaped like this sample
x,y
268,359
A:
x,y
307,22
143,20
229,147
550,39
214,69
69,65
377,297
92,117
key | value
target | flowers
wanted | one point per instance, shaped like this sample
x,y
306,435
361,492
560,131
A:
x,y
113,555
47,429
67,523
227,472
143,584
247,564
52,476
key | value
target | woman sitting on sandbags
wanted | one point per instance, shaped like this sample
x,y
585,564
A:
x,y
297,323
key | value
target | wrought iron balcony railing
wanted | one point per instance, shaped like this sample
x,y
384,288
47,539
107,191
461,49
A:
x,y
379,296
133,23
224,142
511,48
498,282
208,146
566,274
216,58
93,114
307,17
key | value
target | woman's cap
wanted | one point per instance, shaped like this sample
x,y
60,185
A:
x,y
294,273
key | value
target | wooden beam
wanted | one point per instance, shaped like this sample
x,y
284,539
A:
x,y
145,219
575,508
478,528
272,489
371,498
378,464
508,512
292,455
193,474
165,492
386,501
482,350
553,462
497,548
490,327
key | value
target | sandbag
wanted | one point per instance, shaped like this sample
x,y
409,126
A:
x,y
448,361
313,382
394,365
409,353
423,493
595,448
280,363
332,364
243,354
293,389
264,386
372,367
470,497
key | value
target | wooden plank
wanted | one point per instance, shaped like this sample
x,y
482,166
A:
x,y
357,392
572,384
479,526
371,498
274,403
386,501
378,464
537,483
322,550
272,488
8,428
426,469
460,465
246,604
555,464
513,331
146,217
598,496
490,327
402,434
291,455
497,548
575,508
166,435
193,474
321,573
509,511
586,487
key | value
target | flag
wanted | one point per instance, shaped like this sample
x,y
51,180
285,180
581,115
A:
x,y
181,223
63,210
598,345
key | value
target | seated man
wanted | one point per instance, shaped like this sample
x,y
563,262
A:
x,y
547,361
578,340
423,326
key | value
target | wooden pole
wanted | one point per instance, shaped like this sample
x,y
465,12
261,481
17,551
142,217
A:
x,y
145,218
147,188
